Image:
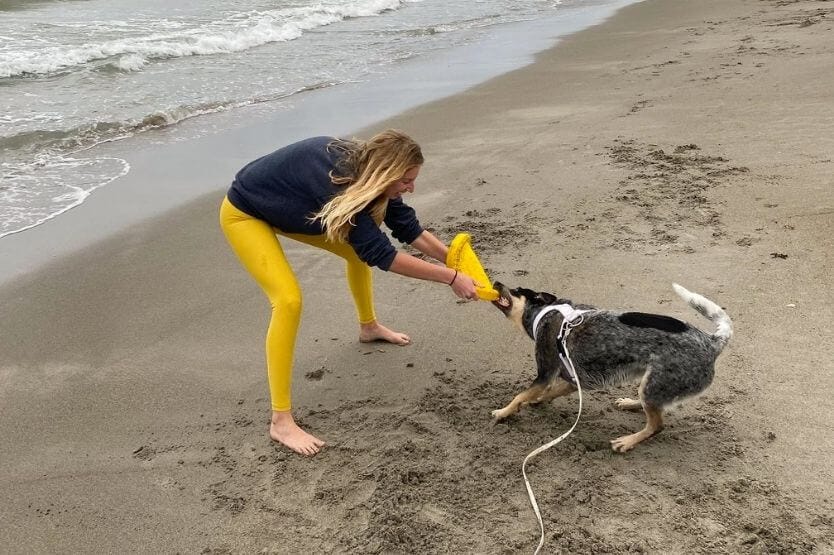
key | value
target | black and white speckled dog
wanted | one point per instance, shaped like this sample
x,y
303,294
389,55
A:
x,y
673,360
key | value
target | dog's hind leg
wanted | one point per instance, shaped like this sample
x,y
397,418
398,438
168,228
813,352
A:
x,y
654,423
529,395
625,403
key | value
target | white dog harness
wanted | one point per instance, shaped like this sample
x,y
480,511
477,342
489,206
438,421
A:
x,y
571,318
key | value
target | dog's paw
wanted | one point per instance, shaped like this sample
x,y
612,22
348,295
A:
x,y
498,415
625,403
624,444
620,446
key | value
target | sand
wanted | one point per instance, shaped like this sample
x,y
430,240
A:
x,y
679,141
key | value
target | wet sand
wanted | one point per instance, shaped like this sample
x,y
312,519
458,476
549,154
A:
x,y
678,141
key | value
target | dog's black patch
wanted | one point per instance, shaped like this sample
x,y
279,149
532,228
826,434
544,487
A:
x,y
656,321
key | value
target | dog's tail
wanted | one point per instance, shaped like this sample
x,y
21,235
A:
x,y
712,312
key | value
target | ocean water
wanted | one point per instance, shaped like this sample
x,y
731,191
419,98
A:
x,y
78,73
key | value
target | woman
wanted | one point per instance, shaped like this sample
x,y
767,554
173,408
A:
x,y
332,194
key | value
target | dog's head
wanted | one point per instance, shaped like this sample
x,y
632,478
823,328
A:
x,y
520,305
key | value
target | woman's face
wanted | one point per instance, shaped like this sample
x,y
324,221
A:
x,y
403,185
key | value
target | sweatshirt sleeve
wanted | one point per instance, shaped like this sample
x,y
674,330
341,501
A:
x,y
371,244
402,221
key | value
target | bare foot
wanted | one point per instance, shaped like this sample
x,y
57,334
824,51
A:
x,y
377,332
284,430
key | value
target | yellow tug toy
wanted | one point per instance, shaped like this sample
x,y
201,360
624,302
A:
x,y
462,258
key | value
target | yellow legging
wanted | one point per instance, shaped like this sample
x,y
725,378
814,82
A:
x,y
256,245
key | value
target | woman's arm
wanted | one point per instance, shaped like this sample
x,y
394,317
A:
x,y
430,245
411,266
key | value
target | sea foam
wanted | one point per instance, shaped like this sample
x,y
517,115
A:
x,y
235,34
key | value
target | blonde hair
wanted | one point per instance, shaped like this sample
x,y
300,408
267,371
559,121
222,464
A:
x,y
366,169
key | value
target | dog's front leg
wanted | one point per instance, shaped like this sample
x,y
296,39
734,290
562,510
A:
x,y
527,396
556,388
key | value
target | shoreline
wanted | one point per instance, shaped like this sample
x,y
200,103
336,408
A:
x,y
674,142
242,134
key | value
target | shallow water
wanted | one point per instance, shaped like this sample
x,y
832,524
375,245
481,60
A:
x,y
76,74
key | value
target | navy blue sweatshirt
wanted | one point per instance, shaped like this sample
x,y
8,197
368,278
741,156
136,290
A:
x,y
287,187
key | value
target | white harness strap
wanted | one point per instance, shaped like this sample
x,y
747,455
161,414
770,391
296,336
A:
x,y
571,318
569,314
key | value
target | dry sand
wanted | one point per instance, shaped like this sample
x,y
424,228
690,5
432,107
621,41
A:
x,y
679,141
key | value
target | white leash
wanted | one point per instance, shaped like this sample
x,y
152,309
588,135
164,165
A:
x,y
576,319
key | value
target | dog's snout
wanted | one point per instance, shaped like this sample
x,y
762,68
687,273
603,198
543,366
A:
x,y
503,301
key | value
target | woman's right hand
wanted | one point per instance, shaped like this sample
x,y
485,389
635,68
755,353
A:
x,y
464,286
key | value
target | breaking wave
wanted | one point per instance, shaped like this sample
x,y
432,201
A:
x,y
235,34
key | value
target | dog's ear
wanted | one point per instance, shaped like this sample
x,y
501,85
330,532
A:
x,y
546,298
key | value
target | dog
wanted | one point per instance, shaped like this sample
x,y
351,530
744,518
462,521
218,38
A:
x,y
672,360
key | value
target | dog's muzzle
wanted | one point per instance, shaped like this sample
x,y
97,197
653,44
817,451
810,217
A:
x,y
504,302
